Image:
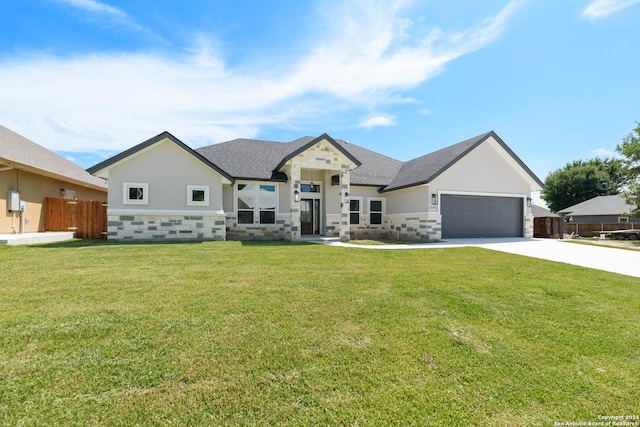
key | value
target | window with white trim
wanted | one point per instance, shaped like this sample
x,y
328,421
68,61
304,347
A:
x,y
256,203
135,193
354,210
376,210
197,195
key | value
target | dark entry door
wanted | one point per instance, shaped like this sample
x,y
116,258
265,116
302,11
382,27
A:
x,y
310,216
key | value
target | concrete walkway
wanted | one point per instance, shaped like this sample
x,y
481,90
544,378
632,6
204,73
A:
x,y
35,238
610,259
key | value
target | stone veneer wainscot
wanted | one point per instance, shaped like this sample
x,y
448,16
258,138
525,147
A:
x,y
166,227
280,231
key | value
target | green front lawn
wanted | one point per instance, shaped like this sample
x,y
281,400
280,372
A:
x,y
232,333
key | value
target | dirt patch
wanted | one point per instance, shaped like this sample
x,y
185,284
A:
x,y
625,244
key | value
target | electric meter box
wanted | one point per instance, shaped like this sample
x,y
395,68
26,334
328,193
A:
x,y
13,201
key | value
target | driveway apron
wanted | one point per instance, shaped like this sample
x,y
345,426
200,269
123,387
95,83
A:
x,y
604,258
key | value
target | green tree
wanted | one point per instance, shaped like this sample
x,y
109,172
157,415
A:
x,y
582,180
630,149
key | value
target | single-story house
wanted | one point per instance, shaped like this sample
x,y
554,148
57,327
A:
x,y
252,189
29,173
542,212
600,209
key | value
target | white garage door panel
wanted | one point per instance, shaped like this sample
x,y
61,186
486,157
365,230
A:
x,y
480,216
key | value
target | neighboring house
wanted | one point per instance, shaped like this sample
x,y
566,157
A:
x,y
600,209
35,173
251,189
541,212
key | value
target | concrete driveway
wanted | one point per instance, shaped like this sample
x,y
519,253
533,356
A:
x,y
614,260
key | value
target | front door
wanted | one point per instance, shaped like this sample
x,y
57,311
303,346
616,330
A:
x,y
310,216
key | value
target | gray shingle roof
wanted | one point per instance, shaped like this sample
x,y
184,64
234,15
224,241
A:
x,y
248,158
424,169
257,159
26,154
375,170
539,211
262,160
600,205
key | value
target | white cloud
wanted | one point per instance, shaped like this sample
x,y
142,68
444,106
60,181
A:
x,y
602,8
94,6
109,102
601,152
376,121
101,11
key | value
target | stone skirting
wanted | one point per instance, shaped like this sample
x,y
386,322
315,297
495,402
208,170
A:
x,y
365,230
165,227
332,228
414,228
410,228
280,231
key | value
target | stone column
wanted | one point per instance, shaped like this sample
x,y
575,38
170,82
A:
x,y
345,190
294,208
434,226
528,226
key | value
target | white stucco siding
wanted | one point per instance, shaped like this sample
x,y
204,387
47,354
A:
x,y
484,170
227,198
408,200
283,198
168,170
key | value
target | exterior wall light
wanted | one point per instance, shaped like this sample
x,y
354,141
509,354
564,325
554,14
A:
x,y
296,196
434,199
529,202
346,195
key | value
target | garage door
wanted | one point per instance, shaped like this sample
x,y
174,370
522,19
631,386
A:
x,y
477,216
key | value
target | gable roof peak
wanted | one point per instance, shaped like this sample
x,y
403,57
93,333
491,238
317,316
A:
x,y
107,164
324,137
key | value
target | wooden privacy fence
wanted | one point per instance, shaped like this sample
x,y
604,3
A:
x,y
87,218
549,227
593,229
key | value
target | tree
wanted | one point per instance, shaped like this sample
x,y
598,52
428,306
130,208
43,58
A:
x,y
630,149
583,180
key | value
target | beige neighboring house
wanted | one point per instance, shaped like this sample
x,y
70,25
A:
x,y
29,173
316,186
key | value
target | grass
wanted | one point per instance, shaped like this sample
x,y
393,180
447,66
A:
x,y
234,333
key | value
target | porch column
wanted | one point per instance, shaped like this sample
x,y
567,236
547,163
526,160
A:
x,y
345,189
294,207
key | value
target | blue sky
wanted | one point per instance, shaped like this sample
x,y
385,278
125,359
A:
x,y
557,80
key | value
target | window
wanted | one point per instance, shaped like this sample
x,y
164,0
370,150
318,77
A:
x,y
310,188
623,219
135,193
262,212
245,209
354,211
197,195
375,211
